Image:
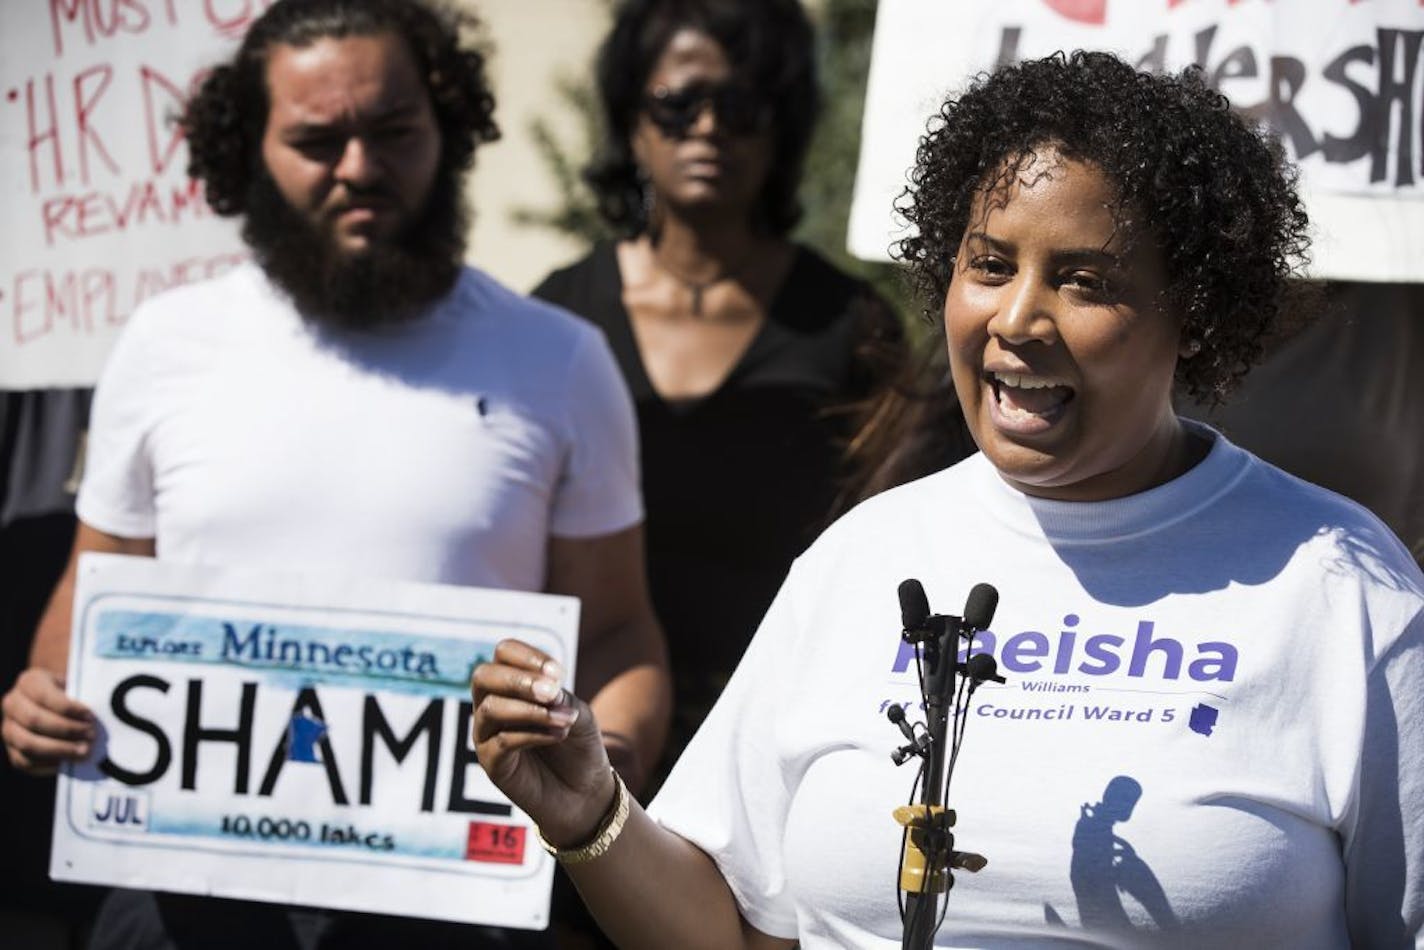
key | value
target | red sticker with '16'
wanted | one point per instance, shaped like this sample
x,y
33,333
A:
x,y
495,844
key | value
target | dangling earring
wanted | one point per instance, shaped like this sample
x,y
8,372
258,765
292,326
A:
x,y
1190,348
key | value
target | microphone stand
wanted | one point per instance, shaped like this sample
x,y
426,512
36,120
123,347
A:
x,y
929,843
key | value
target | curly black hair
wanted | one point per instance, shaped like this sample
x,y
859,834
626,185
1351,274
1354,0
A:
x,y
224,121
769,42
1213,191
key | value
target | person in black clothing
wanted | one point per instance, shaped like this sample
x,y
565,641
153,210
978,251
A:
x,y
745,352
41,450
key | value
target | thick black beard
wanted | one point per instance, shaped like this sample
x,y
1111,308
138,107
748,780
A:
x,y
393,281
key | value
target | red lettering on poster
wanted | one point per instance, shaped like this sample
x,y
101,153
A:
x,y
74,300
153,280
160,153
101,19
70,12
76,216
43,137
232,17
1083,11
83,108
94,300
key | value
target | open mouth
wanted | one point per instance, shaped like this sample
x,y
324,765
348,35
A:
x,y
1029,402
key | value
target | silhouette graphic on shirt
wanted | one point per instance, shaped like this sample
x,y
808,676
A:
x,y
1203,719
1104,867
303,734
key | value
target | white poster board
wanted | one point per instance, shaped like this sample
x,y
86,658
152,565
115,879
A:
x,y
99,211
1342,81
297,739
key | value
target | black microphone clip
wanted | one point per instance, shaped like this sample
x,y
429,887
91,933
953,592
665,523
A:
x,y
980,668
933,628
919,742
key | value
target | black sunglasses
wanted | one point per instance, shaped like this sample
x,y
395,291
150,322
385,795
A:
x,y
739,110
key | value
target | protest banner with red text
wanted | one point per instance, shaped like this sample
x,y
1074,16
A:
x,y
100,213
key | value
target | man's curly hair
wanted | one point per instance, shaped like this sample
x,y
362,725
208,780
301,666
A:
x,y
1212,191
770,45
225,120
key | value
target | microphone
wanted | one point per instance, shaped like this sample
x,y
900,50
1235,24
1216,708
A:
x,y
981,668
979,607
914,606
918,742
896,715
979,610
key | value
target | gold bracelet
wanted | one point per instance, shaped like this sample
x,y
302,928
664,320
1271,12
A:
x,y
608,830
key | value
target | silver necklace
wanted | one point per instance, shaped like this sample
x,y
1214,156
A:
x,y
696,288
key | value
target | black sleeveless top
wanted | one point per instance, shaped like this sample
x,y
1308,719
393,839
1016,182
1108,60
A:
x,y
738,482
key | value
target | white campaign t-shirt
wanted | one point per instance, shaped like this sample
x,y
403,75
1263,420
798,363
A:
x,y
448,449
1212,733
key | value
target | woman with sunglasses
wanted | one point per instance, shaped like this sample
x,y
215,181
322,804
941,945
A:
x,y
1213,729
746,354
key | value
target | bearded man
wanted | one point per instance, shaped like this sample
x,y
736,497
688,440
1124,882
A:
x,y
356,400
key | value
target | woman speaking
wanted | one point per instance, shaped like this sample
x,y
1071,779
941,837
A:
x,y
1212,732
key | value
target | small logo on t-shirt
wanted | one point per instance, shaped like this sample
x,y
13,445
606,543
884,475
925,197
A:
x,y
1203,719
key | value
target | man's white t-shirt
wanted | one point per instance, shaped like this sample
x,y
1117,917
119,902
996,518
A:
x,y
1212,733
449,448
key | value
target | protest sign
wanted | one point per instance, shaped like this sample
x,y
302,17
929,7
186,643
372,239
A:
x,y
297,739
99,211
1340,81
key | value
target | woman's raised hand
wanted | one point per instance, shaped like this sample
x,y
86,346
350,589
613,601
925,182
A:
x,y
539,743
